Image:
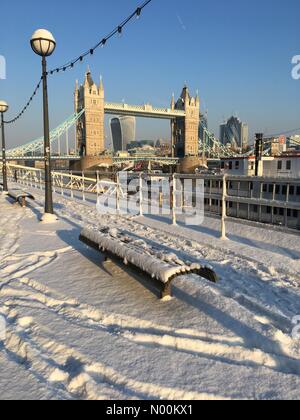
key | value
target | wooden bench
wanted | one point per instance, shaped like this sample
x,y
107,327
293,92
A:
x,y
160,266
20,196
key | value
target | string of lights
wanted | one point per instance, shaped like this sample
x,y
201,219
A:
x,y
90,52
117,31
24,109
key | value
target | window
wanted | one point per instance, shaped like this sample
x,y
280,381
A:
x,y
265,187
298,190
255,209
292,190
222,165
269,209
277,189
271,188
279,166
237,164
281,212
295,214
284,190
230,166
288,165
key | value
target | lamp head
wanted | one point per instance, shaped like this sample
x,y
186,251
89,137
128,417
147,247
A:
x,y
3,107
43,43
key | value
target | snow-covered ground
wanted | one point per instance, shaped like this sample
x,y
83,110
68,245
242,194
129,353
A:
x,y
79,327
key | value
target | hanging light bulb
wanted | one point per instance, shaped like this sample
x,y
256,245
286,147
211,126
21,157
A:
x,y
138,12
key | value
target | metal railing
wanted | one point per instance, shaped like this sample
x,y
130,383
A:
x,y
223,196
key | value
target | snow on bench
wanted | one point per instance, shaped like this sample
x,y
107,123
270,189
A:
x,y
20,196
151,259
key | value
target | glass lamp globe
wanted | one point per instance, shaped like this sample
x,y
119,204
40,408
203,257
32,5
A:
x,y
43,43
3,106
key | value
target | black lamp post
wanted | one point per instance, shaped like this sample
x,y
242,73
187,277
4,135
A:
x,y
3,109
43,44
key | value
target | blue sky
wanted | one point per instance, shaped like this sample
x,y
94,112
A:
x,y
236,53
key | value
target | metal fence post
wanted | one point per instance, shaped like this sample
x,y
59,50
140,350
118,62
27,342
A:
x,y
173,189
141,193
98,186
62,185
83,187
53,182
118,194
72,192
224,212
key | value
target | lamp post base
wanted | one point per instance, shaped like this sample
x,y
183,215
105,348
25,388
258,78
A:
x,y
49,218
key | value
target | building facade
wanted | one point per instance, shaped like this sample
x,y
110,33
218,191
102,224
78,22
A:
x,y
90,127
285,166
234,133
267,200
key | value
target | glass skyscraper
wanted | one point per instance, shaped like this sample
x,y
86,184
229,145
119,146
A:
x,y
123,132
235,133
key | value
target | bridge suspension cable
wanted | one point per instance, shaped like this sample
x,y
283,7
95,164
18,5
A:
x,y
212,146
90,52
36,145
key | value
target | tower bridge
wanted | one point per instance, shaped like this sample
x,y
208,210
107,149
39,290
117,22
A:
x,y
183,114
89,138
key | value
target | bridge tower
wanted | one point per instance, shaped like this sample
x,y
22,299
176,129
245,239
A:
x,y
185,131
90,127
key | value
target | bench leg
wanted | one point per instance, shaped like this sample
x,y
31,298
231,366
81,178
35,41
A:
x,y
166,290
208,274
